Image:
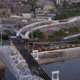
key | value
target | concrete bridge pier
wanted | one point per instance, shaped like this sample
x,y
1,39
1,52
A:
x,y
2,70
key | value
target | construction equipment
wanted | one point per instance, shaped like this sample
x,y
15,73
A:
x,y
45,37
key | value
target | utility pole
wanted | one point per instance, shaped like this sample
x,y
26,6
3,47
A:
x,y
1,31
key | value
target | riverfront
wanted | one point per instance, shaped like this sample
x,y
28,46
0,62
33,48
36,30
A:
x,y
69,69
70,53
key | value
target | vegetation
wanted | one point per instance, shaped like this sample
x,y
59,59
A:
x,y
72,6
68,11
64,14
8,15
77,41
57,35
38,34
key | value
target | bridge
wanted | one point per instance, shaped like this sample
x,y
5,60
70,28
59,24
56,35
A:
x,y
29,59
20,61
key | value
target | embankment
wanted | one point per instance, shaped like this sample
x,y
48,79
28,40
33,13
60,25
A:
x,y
69,53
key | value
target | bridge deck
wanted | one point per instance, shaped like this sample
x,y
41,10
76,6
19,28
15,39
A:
x,y
29,59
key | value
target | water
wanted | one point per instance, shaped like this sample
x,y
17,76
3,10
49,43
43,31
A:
x,y
9,75
69,69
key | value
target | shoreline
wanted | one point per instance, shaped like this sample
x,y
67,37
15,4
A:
x,y
67,54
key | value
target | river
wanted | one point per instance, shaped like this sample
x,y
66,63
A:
x,y
69,69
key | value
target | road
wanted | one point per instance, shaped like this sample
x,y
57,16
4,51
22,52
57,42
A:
x,y
55,22
72,36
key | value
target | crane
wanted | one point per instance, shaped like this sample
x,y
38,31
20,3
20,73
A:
x,y
45,37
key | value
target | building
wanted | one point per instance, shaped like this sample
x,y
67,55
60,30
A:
x,y
4,13
45,16
20,8
16,0
27,8
75,1
17,8
67,2
9,21
2,0
48,5
57,2
27,15
40,3
23,23
41,11
45,4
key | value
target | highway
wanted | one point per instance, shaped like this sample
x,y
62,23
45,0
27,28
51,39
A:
x,y
32,28
54,23
18,33
72,36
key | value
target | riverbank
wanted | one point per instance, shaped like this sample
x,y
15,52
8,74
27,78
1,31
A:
x,y
70,53
69,69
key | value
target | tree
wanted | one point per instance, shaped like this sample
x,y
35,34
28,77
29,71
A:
x,y
71,6
64,6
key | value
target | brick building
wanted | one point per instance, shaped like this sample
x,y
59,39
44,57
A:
x,y
17,9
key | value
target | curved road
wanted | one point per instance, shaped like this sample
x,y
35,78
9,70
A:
x,y
55,22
